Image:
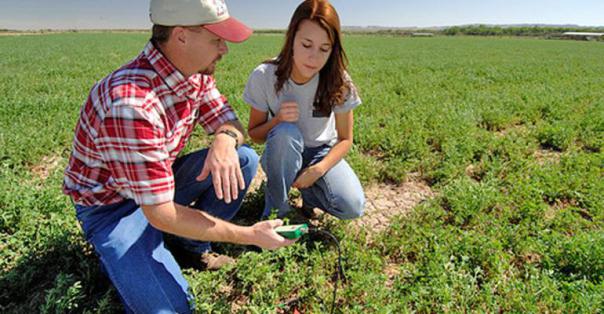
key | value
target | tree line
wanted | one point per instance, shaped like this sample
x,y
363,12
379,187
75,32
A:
x,y
535,31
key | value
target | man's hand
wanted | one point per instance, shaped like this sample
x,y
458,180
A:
x,y
288,112
223,163
265,236
191,223
308,177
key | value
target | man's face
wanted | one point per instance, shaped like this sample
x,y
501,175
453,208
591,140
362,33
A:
x,y
203,50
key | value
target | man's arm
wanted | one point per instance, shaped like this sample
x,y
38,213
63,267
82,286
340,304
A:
x,y
194,224
223,162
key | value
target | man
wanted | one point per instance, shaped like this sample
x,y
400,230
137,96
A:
x,y
125,179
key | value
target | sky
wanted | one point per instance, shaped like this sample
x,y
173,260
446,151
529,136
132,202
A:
x,y
263,14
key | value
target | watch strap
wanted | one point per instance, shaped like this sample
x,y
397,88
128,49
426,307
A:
x,y
231,134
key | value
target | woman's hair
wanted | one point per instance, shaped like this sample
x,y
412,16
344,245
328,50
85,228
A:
x,y
333,85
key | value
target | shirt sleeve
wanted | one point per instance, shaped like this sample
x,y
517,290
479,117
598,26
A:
x,y
214,109
131,141
352,99
255,90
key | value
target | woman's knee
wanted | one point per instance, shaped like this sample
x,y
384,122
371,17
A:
x,y
351,206
285,133
284,147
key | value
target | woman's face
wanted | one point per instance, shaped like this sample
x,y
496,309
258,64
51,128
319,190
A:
x,y
312,49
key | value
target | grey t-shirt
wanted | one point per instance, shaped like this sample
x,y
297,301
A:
x,y
260,93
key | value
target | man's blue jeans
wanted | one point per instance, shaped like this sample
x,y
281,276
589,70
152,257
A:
x,y
132,252
338,192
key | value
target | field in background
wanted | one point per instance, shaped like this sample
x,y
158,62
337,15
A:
x,y
508,133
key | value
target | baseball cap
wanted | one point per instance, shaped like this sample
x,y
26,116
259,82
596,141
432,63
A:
x,y
213,15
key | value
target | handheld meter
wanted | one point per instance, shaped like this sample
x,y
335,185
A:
x,y
292,231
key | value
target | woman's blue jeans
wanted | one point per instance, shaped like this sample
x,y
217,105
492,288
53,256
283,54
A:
x,y
338,192
133,253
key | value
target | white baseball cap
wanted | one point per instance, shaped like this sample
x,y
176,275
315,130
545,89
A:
x,y
211,14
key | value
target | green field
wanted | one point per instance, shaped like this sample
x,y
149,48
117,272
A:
x,y
508,132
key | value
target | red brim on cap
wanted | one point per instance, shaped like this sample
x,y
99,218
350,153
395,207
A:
x,y
230,30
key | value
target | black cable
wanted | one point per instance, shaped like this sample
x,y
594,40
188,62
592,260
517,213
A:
x,y
340,270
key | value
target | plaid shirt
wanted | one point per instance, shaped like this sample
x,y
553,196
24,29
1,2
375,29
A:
x,y
132,127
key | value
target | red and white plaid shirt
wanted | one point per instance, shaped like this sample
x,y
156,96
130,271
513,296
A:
x,y
132,127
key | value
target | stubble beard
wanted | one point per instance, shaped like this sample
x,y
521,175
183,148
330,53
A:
x,y
212,67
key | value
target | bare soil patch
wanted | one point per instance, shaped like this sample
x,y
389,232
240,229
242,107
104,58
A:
x,y
46,166
257,181
545,156
391,271
385,201
518,128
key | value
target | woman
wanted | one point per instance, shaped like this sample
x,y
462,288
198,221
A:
x,y
302,104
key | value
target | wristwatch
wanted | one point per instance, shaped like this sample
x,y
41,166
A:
x,y
231,134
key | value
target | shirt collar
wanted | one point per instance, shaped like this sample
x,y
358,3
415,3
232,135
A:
x,y
172,77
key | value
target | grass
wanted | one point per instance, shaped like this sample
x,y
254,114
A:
x,y
508,132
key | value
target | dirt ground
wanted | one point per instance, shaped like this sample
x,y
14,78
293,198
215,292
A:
x,y
383,201
46,166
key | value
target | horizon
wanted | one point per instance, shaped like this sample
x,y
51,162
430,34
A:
x,y
133,15
344,27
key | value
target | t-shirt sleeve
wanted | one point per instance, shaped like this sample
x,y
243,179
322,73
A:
x,y
131,141
256,89
352,99
214,110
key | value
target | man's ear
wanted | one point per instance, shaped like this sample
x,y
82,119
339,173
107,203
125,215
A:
x,y
179,34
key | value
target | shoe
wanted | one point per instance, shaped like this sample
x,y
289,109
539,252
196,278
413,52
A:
x,y
309,212
200,261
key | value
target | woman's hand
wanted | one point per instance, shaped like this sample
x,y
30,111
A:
x,y
309,176
288,112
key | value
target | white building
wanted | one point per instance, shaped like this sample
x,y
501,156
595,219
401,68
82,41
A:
x,y
583,35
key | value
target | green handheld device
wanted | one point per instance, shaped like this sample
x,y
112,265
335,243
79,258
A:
x,y
292,231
